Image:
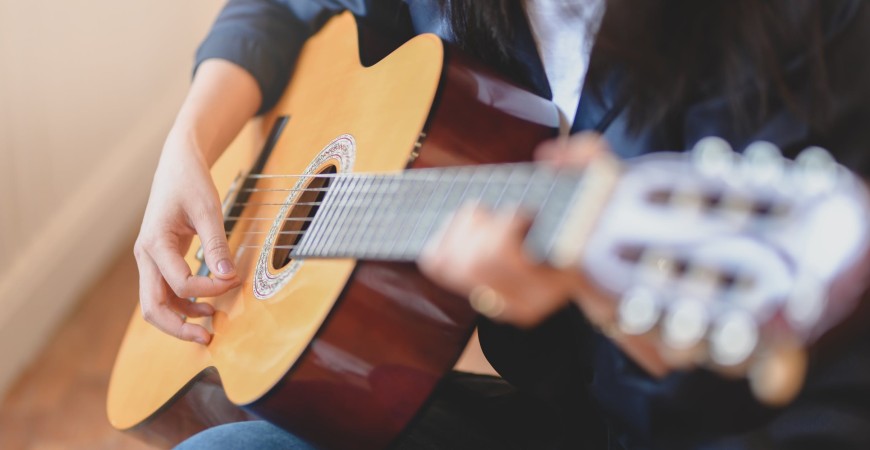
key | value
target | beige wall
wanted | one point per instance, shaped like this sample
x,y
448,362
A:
x,y
88,90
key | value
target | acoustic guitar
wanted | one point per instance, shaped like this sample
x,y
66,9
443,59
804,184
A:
x,y
335,336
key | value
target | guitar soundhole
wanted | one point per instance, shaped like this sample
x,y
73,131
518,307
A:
x,y
305,207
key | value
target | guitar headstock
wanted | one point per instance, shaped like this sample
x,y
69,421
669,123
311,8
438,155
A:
x,y
727,260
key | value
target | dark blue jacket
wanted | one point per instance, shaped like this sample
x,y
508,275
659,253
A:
x,y
603,395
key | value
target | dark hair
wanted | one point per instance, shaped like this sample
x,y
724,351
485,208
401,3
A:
x,y
482,28
665,49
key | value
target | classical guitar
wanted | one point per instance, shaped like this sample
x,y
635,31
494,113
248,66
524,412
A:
x,y
336,337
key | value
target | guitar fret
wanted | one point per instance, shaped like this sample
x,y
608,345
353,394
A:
x,y
505,183
404,225
529,180
357,204
408,251
470,173
478,196
537,233
339,230
329,236
488,189
393,196
360,227
433,218
313,238
539,187
559,215
540,239
465,176
376,225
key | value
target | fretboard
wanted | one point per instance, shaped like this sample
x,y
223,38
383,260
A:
x,y
392,217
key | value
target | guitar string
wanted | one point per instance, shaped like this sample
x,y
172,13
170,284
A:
x,y
425,178
348,205
263,245
248,233
349,190
407,175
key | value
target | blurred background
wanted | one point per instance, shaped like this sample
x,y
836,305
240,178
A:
x,y
88,90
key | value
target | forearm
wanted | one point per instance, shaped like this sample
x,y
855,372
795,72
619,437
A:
x,y
221,99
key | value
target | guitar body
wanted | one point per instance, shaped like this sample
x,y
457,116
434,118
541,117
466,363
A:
x,y
342,353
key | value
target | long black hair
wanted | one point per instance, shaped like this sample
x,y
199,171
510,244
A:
x,y
669,52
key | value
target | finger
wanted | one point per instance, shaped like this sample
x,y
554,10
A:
x,y
209,225
478,247
515,224
431,255
444,249
538,296
529,293
482,252
177,274
446,257
499,244
191,308
155,304
551,148
577,151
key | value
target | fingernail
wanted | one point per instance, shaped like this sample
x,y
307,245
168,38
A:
x,y
202,340
225,267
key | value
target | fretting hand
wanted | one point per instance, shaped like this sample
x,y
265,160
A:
x,y
479,254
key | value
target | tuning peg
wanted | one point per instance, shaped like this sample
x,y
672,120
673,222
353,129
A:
x,y
733,338
682,330
816,171
762,164
638,311
713,156
685,324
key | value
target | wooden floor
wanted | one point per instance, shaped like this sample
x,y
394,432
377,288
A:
x,y
59,403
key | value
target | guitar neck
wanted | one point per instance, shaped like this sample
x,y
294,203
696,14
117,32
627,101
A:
x,y
392,217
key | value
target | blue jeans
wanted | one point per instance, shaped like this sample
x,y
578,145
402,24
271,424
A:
x,y
258,435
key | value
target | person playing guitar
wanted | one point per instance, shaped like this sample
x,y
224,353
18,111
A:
x,y
629,78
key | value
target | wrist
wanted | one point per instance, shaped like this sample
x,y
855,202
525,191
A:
x,y
185,141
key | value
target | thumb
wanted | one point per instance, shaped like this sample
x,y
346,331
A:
x,y
212,234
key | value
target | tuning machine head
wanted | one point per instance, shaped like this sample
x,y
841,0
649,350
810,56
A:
x,y
683,329
762,164
815,171
733,338
713,156
639,311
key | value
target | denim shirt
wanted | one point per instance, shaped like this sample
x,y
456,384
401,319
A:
x,y
565,360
